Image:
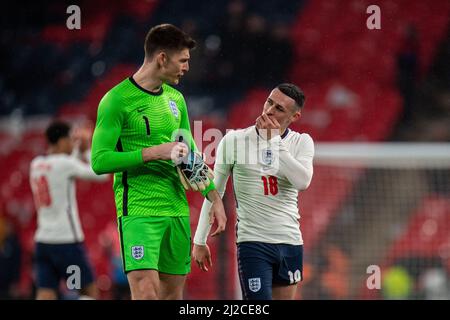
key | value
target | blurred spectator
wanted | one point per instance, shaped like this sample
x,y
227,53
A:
x,y
10,259
280,53
339,96
416,277
335,277
330,275
252,69
236,13
397,283
407,69
252,52
193,78
226,66
16,124
434,284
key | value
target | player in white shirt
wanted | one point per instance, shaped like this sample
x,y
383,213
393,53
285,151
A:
x,y
269,164
59,236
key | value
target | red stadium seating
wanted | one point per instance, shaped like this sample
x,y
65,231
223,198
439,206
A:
x,y
96,21
427,232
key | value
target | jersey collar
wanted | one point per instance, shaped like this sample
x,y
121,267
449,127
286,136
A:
x,y
285,133
145,90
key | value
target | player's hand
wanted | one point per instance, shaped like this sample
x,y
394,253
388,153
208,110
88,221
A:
x,y
202,256
217,213
167,151
82,135
194,172
269,127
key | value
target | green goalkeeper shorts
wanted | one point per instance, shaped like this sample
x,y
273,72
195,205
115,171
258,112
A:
x,y
158,243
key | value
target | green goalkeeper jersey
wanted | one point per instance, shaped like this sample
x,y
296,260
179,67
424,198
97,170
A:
x,y
129,119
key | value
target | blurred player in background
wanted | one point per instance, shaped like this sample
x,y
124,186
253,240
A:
x,y
269,241
137,124
59,236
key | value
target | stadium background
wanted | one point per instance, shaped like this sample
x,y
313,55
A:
x,y
361,85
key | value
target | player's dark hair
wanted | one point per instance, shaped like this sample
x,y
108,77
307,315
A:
x,y
57,130
294,92
167,37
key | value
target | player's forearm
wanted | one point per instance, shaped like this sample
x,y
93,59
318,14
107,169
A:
x,y
88,174
298,172
98,178
203,226
114,161
220,182
107,155
152,153
213,195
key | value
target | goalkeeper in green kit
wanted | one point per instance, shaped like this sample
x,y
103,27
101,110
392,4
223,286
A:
x,y
143,135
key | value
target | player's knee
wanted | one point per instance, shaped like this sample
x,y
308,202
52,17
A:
x,y
141,295
144,293
173,295
144,289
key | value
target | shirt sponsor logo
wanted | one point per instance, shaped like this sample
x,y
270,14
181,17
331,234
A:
x,y
173,108
137,252
254,284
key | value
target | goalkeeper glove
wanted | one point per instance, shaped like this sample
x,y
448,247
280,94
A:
x,y
194,172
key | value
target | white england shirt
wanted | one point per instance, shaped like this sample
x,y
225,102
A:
x,y
266,176
52,179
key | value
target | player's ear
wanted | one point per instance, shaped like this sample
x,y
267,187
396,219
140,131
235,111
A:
x,y
297,115
161,58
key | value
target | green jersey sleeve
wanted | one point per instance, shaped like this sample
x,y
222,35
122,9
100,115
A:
x,y
106,156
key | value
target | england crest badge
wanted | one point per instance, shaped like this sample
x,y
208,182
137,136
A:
x,y
137,252
267,157
173,108
254,284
